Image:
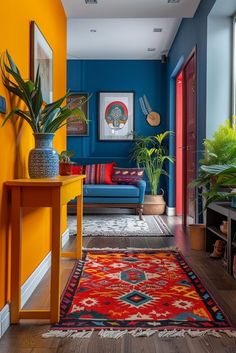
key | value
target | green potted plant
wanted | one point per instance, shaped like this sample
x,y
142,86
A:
x,y
44,119
65,162
217,170
151,152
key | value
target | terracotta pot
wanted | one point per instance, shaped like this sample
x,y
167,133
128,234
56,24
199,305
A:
x,y
65,168
154,205
197,236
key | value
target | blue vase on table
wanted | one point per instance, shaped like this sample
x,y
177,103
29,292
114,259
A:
x,y
43,159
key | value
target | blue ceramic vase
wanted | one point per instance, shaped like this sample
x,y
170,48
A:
x,y
43,159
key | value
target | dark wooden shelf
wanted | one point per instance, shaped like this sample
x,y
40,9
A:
x,y
218,232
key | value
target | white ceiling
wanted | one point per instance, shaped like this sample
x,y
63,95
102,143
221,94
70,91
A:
x,y
124,28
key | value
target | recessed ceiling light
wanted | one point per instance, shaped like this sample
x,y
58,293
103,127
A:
x,y
157,29
91,2
173,1
151,49
92,30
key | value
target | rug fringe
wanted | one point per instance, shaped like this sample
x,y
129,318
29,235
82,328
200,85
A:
x,y
172,248
112,333
116,334
68,334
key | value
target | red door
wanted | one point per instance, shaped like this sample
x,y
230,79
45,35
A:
x,y
189,138
179,144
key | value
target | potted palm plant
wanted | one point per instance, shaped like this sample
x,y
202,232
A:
x,y
44,119
151,152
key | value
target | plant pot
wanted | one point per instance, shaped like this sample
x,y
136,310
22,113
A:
x,y
43,159
154,205
65,168
197,236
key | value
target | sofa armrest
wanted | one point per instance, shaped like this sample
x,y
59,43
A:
x,y
142,188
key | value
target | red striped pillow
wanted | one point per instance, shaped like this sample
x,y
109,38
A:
x,y
104,173
90,171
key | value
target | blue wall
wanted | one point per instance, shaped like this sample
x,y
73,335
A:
x,y
192,33
140,76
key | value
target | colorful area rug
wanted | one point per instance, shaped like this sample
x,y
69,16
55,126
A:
x,y
138,292
120,225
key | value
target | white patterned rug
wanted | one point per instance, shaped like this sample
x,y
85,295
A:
x,y
120,225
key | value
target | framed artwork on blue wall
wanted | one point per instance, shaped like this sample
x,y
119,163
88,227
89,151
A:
x,y
75,127
116,116
41,55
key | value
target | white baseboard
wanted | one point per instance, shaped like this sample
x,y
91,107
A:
x,y
29,286
4,319
34,279
170,211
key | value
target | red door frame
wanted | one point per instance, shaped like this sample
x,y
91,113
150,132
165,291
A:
x,y
185,186
179,144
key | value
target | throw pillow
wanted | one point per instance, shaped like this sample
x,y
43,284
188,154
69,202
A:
x,y
90,172
76,169
104,173
127,175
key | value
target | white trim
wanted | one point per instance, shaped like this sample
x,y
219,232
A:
x,y
29,286
4,319
34,279
170,211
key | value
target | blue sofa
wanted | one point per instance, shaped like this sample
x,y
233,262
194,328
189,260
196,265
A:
x,y
119,196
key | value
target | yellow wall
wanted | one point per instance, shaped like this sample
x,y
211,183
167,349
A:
x,y
16,140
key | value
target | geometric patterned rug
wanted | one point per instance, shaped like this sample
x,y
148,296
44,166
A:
x,y
121,225
142,292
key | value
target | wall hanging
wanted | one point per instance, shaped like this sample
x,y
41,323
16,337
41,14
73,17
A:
x,y
74,126
152,117
116,116
41,55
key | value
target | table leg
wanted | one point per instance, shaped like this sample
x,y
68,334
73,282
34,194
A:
x,y
56,255
79,238
15,254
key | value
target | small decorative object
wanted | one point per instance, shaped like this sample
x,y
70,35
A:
x,y
224,227
65,163
150,153
116,116
74,126
152,117
43,159
219,248
41,55
44,120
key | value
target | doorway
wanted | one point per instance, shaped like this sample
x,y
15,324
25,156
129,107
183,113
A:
x,y
186,140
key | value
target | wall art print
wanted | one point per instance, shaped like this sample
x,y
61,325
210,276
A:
x,y
75,127
116,116
41,55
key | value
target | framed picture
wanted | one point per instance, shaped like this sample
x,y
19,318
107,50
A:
x,y
41,55
74,126
116,116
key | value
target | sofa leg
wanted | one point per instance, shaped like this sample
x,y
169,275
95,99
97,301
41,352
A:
x,y
140,212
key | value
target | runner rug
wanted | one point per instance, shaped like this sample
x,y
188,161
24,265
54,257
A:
x,y
121,225
137,292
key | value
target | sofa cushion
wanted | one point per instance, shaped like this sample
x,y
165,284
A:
x,y
90,172
104,173
103,190
127,175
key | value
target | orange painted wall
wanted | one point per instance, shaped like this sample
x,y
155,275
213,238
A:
x,y
16,140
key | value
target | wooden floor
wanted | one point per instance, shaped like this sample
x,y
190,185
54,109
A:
x,y
26,337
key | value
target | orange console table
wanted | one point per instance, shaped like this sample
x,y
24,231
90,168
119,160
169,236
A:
x,y
53,193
